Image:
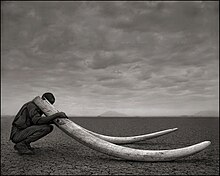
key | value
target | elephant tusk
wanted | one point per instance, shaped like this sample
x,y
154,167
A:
x,y
89,140
131,139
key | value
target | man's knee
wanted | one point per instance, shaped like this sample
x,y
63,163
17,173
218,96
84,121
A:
x,y
51,128
15,140
48,128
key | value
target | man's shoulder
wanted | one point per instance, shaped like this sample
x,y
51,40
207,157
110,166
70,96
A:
x,y
32,107
31,104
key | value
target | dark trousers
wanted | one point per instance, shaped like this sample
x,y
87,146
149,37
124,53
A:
x,y
32,133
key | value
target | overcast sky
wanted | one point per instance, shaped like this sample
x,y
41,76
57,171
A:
x,y
136,58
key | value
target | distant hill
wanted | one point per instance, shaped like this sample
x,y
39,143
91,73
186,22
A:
x,y
112,114
207,114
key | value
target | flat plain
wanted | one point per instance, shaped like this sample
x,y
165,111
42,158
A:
x,y
59,154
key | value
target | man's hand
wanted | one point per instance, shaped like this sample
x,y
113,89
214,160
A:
x,y
49,119
61,115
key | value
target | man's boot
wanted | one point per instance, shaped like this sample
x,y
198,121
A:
x,y
29,147
22,149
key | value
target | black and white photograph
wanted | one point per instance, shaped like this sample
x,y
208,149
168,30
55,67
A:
x,y
109,87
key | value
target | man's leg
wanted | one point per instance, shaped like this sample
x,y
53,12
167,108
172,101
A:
x,y
33,133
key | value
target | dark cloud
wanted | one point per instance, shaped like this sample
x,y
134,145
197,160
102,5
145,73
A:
x,y
170,17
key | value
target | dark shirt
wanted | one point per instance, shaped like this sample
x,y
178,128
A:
x,y
28,115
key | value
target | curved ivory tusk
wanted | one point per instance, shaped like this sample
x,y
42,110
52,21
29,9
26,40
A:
x,y
77,132
131,139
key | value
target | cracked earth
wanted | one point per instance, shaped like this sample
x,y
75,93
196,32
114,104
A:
x,y
58,154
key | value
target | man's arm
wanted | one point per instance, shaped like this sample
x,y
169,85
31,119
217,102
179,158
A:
x,y
36,115
49,119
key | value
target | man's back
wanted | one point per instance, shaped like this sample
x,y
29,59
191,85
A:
x,y
23,119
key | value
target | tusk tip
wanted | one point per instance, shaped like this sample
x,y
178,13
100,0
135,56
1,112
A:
x,y
207,142
174,129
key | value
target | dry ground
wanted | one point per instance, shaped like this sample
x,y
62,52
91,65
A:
x,y
58,154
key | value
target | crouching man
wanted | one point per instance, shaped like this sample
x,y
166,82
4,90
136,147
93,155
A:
x,y
29,125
